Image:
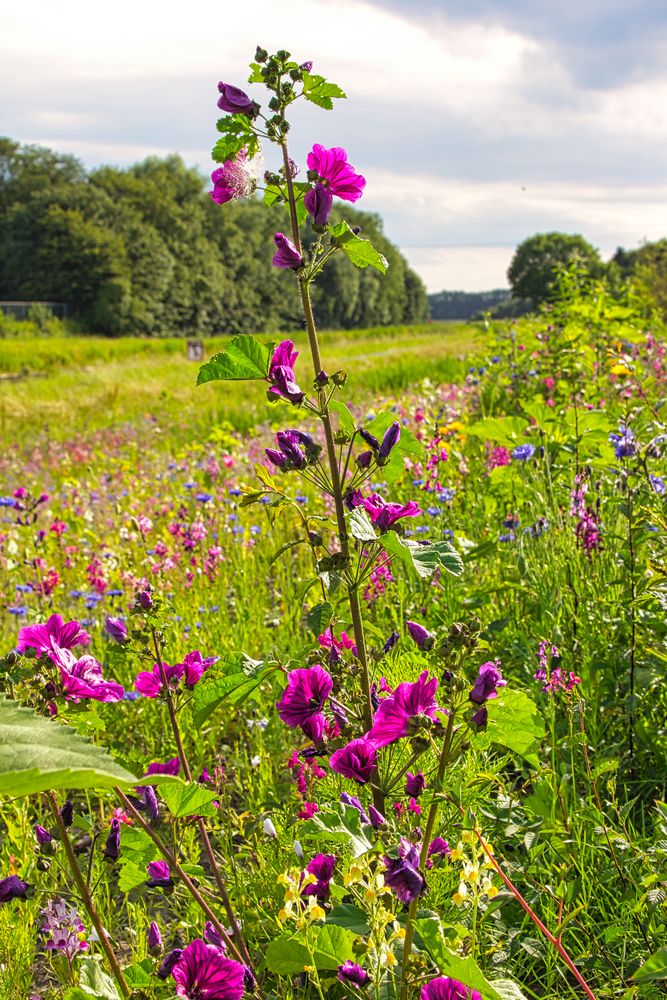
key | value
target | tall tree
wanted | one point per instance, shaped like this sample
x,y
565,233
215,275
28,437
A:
x,y
533,272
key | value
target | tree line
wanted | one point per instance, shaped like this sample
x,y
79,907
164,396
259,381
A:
x,y
143,250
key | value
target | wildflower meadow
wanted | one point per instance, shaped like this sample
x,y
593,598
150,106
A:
x,y
342,686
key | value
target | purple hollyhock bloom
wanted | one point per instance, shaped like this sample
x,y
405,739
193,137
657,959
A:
x,y
116,628
391,438
286,254
203,973
307,690
489,678
377,819
168,963
211,936
13,887
53,634
195,665
318,202
410,700
352,974
402,874
154,939
160,875
277,458
171,766
43,836
281,372
289,445
414,784
421,635
322,867
445,988
439,847
523,452
335,172
112,846
83,678
352,800
235,101
384,515
357,760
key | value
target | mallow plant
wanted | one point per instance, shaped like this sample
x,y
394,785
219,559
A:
x,y
386,883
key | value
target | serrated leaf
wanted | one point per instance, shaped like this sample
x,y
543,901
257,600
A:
x,y
339,822
361,252
507,989
515,722
332,946
319,91
191,799
94,982
245,359
465,970
319,617
39,754
235,679
139,974
132,874
266,478
361,526
424,559
349,916
345,418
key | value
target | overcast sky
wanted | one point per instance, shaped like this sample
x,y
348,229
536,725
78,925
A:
x,y
476,122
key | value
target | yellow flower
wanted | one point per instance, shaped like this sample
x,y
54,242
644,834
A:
x,y
282,916
317,913
492,891
620,369
390,958
457,899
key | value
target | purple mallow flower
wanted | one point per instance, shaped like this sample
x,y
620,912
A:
x,y
281,372
489,678
211,936
116,628
335,173
322,868
171,766
204,973
318,202
402,873
43,836
439,848
11,888
376,817
235,101
420,635
160,875
83,678
168,963
352,974
444,988
399,714
382,514
231,180
414,784
357,760
53,634
286,254
307,690
352,800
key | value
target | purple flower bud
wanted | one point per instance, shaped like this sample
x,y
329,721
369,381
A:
x,y
318,202
288,444
421,635
414,784
370,439
43,836
13,887
391,642
439,848
160,875
112,846
67,813
402,873
306,66
211,935
352,800
154,940
276,458
117,629
376,817
150,803
391,438
286,254
481,717
169,962
364,459
144,600
235,101
352,974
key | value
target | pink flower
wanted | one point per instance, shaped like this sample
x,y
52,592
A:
x,y
357,760
53,633
203,973
383,514
303,699
83,678
281,372
231,180
149,682
393,719
335,172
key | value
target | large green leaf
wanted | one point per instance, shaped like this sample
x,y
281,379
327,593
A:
x,y
654,969
319,91
362,253
505,430
361,526
234,680
515,723
424,559
465,970
191,799
341,823
333,945
245,358
39,755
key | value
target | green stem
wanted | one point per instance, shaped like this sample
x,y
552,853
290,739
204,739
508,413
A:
x,y
87,899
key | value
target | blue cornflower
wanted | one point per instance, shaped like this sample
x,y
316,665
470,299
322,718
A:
x,y
446,495
623,442
204,497
24,588
433,511
523,452
7,502
235,493
508,537
18,610
657,483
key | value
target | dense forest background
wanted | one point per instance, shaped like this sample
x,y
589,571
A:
x,y
144,251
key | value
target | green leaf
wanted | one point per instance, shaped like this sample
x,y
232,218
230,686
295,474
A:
x,y
361,526
273,194
341,823
465,970
515,723
407,443
39,754
245,358
191,799
507,990
506,430
139,974
318,91
94,982
361,252
349,916
319,617
654,969
332,946
131,875
423,559
235,679
237,132
345,418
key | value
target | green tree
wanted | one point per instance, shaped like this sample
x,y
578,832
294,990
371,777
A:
x,y
533,272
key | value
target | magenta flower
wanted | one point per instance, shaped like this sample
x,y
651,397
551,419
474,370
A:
x,y
149,682
439,848
357,760
281,372
414,784
402,873
445,988
83,678
335,173
203,973
235,101
12,887
54,632
154,939
488,679
410,700
172,766
231,180
286,254
307,690
352,974
322,867
383,514
195,665
318,202
160,875
420,635
116,628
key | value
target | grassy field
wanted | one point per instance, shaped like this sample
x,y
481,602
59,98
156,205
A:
x,y
75,384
